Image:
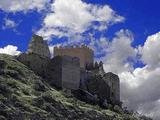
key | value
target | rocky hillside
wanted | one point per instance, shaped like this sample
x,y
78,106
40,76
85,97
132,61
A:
x,y
25,96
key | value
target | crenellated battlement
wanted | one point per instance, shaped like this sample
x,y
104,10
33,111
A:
x,y
73,47
94,66
84,53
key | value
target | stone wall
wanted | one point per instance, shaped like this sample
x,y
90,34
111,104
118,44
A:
x,y
64,72
70,72
96,68
85,54
35,62
97,86
38,46
71,68
106,86
113,81
54,72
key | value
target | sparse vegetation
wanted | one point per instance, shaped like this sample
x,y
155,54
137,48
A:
x,y
24,96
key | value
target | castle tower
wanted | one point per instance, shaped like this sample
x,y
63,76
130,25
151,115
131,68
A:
x,y
114,83
85,54
64,72
38,46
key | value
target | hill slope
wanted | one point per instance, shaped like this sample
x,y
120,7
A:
x,y
23,96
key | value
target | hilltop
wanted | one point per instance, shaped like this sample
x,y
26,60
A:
x,y
24,95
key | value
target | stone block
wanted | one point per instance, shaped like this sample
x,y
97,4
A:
x,y
85,54
64,72
39,46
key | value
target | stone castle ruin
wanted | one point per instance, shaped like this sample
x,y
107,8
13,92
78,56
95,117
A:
x,y
84,54
74,69
37,55
38,46
64,72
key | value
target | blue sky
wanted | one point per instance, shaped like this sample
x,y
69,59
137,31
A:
x,y
125,35
141,18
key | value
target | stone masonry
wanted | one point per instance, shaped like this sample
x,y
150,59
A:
x,y
64,72
85,54
38,46
113,81
37,56
72,68
35,62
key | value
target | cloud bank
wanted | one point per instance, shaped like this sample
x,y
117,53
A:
x,y
72,17
22,5
10,50
139,86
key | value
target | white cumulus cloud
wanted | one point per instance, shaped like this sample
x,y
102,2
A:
x,y
150,51
22,5
119,52
140,91
71,17
10,50
139,86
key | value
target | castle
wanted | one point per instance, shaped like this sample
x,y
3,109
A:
x,y
84,54
72,68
